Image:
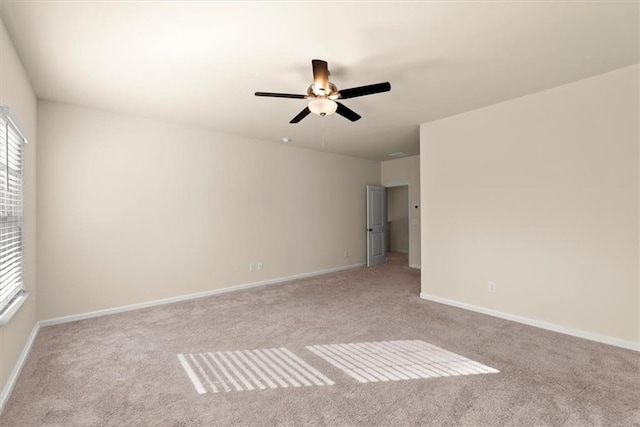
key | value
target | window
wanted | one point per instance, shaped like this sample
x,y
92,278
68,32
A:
x,y
12,142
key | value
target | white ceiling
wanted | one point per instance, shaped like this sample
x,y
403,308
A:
x,y
201,62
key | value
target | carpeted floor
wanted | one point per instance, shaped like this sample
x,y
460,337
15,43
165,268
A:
x,y
123,370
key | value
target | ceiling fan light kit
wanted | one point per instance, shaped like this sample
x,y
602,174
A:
x,y
322,95
323,106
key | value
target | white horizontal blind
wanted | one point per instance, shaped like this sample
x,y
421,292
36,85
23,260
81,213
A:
x,y
11,212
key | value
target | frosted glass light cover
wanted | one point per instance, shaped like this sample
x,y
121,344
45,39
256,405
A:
x,y
322,106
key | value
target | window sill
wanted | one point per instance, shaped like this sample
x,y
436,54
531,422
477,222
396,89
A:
x,y
13,308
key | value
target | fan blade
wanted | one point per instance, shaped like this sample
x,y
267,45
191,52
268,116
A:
x,y
320,74
301,115
365,90
281,95
347,112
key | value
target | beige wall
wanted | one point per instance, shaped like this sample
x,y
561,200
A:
x,y
407,171
134,210
539,195
398,217
16,92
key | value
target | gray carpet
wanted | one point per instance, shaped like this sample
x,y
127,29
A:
x,y
123,370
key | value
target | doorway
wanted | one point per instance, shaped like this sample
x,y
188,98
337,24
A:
x,y
398,223
388,223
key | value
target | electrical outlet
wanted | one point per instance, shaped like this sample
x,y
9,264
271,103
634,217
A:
x,y
492,287
252,267
259,265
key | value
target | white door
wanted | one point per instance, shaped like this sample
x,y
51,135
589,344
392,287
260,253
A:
x,y
376,225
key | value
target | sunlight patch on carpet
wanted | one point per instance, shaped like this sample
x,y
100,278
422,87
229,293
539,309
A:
x,y
225,371
397,360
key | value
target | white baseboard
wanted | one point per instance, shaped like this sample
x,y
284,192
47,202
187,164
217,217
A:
x,y
121,309
537,323
13,378
415,266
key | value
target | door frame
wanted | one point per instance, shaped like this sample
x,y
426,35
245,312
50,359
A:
x,y
405,184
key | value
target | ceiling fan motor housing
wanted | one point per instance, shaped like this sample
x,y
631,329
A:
x,y
318,92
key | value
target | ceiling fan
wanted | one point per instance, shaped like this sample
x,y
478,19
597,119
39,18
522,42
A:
x,y
322,95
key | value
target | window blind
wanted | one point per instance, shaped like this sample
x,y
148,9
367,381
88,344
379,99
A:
x,y
11,210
